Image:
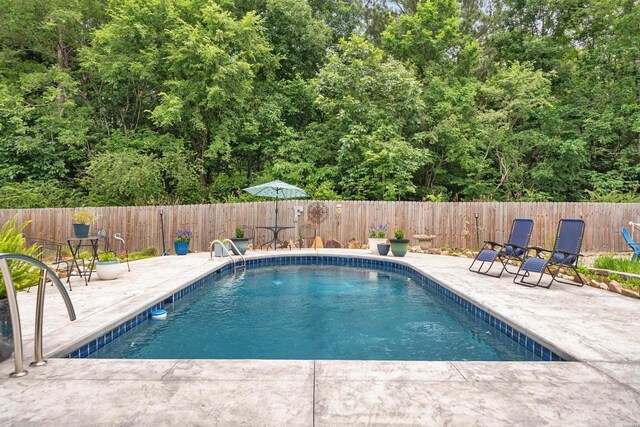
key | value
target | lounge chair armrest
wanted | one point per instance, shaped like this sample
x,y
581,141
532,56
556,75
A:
x,y
518,246
538,250
492,243
568,253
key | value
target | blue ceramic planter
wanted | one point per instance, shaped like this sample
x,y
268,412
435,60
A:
x,y
80,230
383,248
181,247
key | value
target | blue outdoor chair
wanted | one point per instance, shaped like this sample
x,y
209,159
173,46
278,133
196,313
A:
x,y
515,248
565,253
635,246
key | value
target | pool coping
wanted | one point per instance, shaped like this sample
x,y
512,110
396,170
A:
x,y
519,334
594,326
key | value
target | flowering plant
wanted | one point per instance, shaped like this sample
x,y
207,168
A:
x,y
379,232
83,216
183,236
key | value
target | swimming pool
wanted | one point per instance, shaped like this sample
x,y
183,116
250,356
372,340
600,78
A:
x,y
317,312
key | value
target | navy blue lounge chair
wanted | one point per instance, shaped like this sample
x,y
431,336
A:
x,y
565,253
515,248
635,246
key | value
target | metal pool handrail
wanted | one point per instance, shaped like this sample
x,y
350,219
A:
x,y
224,249
15,313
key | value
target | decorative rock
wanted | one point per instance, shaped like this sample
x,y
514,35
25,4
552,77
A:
x,y
584,278
354,244
630,293
615,287
317,244
333,244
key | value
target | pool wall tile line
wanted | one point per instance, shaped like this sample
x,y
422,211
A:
x,y
521,338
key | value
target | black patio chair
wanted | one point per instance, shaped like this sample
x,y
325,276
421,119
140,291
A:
x,y
51,252
514,249
565,254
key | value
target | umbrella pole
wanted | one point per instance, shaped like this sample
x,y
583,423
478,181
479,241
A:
x,y
275,236
276,211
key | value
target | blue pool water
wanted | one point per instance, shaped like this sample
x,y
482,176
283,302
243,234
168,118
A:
x,y
315,312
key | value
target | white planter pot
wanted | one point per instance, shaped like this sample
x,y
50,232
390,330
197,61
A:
x,y
107,270
373,244
218,251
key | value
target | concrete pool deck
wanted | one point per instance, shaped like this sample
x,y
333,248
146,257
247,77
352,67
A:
x,y
597,329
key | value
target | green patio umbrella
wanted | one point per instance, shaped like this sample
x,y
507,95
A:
x,y
278,190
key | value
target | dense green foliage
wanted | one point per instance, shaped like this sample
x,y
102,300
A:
x,y
129,102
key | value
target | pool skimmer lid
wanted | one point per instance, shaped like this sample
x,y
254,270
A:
x,y
159,314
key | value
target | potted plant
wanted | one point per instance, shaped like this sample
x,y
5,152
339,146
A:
x,y
399,245
81,221
108,266
377,235
181,241
383,248
240,242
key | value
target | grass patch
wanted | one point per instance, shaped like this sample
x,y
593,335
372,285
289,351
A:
x,y
626,282
613,263
610,262
148,252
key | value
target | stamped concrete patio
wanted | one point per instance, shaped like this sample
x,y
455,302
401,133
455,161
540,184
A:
x,y
594,328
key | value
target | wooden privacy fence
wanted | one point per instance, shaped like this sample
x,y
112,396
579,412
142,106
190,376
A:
x,y
453,224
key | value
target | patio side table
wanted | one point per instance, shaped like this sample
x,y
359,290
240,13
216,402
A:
x,y
75,244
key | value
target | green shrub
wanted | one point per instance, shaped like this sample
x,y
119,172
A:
x,y
149,251
582,269
399,234
108,256
611,262
38,194
239,233
12,241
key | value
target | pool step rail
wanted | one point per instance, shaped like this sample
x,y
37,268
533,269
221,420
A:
x,y
46,274
238,265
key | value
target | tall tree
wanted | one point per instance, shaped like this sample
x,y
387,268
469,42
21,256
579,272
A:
x,y
298,39
367,140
